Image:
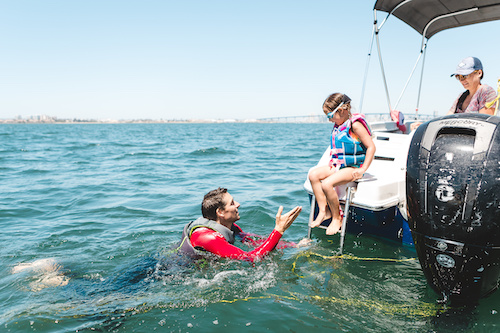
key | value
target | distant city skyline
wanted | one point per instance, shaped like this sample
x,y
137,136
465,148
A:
x,y
46,119
219,59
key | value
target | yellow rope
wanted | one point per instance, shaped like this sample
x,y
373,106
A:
x,y
351,257
258,297
415,309
490,104
420,309
498,96
308,254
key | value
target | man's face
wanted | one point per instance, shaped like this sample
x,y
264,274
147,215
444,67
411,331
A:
x,y
230,211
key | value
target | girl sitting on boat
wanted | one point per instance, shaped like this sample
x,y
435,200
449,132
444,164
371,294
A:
x,y
352,151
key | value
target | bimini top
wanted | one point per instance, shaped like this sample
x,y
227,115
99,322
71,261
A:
x,y
429,17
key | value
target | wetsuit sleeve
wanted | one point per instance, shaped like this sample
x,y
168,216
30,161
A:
x,y
246,237
212,241
255,240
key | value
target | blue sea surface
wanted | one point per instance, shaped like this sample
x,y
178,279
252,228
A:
x,y
103,206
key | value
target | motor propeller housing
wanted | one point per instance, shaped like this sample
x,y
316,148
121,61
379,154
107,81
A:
x,y
453,204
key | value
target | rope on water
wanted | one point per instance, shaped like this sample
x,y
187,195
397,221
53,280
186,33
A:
x,y
309,254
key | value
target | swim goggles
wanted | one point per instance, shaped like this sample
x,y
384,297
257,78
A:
x,y
330,115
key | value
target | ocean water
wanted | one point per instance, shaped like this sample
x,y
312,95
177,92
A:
x,y
90,213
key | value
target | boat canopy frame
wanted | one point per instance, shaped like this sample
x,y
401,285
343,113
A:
x,y
427,17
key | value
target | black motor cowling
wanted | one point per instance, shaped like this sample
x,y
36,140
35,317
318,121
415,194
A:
x,y
453,200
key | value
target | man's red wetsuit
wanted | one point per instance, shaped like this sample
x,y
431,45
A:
x,y
212,241
202,236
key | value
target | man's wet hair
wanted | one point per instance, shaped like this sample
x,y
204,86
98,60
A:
x,y
211,201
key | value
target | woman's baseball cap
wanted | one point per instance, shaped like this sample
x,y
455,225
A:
x,y
467,66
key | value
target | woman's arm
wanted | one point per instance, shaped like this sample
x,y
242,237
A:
x,y
490,111
487,94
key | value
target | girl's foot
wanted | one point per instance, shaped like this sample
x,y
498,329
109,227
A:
x,y
320,218
335,226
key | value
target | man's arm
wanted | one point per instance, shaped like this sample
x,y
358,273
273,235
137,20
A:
x,y
213,242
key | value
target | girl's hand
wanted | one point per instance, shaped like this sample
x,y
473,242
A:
x,y
358,174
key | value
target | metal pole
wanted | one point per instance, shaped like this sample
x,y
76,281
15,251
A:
x,y
421,79
382,64
424,45
311,216
408,81
375,32
344,220
367,67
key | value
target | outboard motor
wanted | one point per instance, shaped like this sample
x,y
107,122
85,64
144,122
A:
x,y
453,200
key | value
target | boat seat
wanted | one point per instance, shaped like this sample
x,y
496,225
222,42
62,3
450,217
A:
x,y
342,189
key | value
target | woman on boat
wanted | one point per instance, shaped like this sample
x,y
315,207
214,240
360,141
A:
x,y
352,151
470,72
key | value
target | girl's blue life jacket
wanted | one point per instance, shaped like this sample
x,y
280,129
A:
x,y
346,148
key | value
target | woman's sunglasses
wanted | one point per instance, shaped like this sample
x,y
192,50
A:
x,y
463,77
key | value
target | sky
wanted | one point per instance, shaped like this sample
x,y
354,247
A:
x,y
221,59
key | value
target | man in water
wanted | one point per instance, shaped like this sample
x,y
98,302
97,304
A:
x,y
216,231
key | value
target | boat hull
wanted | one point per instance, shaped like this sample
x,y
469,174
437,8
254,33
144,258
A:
x,y
386,223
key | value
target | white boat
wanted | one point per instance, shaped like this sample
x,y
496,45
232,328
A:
x,y
377,201
449,216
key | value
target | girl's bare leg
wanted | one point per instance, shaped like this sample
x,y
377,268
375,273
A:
x,y
333,202
343,176
323,211
322,216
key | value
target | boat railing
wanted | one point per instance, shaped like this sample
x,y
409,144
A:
x,y
375,117
382,122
